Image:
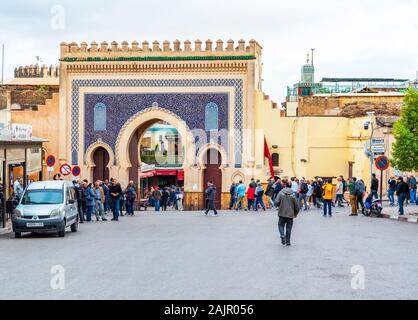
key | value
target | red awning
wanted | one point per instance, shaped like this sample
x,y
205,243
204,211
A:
x,y
180,175
148,174
163,172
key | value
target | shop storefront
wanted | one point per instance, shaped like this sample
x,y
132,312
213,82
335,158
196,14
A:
x,y
161,177
19,157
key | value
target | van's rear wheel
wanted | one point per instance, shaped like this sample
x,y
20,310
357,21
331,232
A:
x,y
18,235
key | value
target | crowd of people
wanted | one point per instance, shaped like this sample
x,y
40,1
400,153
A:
x,y
102,197
322,193
162,198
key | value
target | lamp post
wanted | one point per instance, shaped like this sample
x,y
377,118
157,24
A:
x,y
366,126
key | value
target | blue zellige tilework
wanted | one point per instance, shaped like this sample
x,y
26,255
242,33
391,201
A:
x,y
237,84
121,107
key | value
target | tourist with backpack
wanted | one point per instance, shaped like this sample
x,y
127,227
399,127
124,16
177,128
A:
x,y
288,209
130,198
303,191
360,190
269,192
340,192
259,193
278,186
391,190
318,192
90,201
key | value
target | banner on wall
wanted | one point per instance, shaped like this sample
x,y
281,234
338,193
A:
x,y
21,132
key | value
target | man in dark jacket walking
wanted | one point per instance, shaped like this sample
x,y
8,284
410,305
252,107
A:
x,y
130,198
269,192
232,193
78,193
374,186
115,191
288,209
210,198
402,190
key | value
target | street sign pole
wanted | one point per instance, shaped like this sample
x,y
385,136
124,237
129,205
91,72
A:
x,y
381,186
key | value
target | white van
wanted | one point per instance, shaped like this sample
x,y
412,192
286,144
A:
x,y
46,207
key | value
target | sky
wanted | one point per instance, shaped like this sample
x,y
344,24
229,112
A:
x,y
368,38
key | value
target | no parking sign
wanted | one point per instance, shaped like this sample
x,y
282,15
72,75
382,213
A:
x,y
65,169
50,161
76,171
382,163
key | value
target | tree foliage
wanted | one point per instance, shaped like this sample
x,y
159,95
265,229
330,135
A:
x,y
405,148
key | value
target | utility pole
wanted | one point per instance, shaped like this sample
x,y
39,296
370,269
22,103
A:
x,y
2,63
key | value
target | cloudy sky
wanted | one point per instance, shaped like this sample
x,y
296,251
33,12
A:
x,y
356,38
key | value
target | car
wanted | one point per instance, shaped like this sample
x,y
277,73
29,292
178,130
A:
x,y
46,207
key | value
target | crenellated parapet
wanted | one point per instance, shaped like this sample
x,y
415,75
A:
x,y
165,50
36,71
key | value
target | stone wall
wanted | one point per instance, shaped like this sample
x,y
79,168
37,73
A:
x,y
350,106
31,96
3,99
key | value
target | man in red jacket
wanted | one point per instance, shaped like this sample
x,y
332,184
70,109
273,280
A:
x,y
251,196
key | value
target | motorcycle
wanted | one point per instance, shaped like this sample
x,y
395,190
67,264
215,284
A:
x,y
372,208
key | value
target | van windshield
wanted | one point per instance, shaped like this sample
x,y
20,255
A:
x,y
43,196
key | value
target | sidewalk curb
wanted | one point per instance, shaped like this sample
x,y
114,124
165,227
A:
x,y
410,219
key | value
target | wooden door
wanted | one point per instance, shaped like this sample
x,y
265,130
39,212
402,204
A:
x,y
101,160
350,169
214,174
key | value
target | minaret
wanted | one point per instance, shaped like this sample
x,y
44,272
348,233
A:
x,y
312,56
308,72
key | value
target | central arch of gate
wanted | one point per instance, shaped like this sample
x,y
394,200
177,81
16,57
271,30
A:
x,y
194,163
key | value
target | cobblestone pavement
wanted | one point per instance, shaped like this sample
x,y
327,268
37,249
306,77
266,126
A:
x,y
186,255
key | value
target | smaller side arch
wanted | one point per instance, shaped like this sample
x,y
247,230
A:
x,y
203,151
89,161
237,176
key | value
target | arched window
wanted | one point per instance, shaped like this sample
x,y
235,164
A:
x,y
211,117
275,158
100,117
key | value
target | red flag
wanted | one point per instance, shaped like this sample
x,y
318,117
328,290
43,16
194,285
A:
x,y
268,156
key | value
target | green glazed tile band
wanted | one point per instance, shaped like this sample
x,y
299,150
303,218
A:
x,y
192,58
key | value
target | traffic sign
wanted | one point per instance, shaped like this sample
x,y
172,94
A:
x,y
377,154
65,169
378,141
382,163
50,160
76,171
378,149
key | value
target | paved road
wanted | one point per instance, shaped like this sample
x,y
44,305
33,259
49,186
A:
x,y
234,256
